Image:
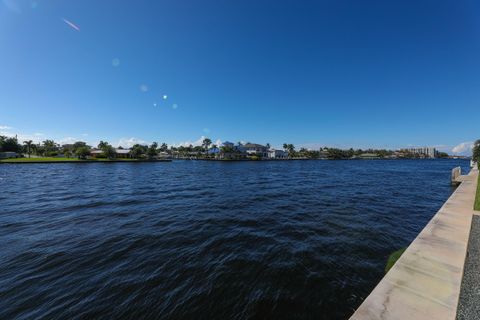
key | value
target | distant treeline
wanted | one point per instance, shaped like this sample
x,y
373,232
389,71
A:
x,y
80,149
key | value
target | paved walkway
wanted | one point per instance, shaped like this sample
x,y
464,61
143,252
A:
x,y
425,282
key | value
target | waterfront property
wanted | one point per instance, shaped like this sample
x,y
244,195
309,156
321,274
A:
x,y
428,152
277,154
253,149
118,153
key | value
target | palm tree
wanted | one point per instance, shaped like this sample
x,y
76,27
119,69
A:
x,y
28,144
206,143
102,145
50,147
152,150
285,146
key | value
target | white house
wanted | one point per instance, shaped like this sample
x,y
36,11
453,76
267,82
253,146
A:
x,y
253,149
119,153
277,154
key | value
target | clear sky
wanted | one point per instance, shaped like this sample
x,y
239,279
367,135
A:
x,y
345,73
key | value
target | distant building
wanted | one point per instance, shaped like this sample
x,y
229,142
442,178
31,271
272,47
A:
x,y
253,149
277,154
427,152
119,153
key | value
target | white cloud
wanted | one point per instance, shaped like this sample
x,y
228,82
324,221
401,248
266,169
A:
x,y
218,142
463,147
144,88
67,140
130,142
193,143
5,128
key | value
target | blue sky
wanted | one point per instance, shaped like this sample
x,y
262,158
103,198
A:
x,y
313,73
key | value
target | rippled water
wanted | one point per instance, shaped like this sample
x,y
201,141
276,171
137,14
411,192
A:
x,y
207,240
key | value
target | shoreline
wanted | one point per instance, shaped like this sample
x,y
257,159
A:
x,y
17,161
81,161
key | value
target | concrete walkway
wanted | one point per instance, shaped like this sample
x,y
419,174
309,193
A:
x,y
425,282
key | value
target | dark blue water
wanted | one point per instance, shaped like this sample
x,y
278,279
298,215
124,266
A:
x,y
207,240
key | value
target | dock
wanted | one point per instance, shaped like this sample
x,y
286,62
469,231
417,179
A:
x,y
425,283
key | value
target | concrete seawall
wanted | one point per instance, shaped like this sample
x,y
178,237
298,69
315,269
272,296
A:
x,y
425,282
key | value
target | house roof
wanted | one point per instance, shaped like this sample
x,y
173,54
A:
x,y
119,151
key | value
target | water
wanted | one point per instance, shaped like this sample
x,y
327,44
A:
x,y
207,240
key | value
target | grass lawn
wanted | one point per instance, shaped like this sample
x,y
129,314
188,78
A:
x,y
393,258
477,198
55,159
50,159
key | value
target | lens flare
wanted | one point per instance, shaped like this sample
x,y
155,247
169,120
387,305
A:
x,y
71,24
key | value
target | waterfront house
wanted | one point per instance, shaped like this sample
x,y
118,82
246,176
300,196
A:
x,y
277,154
253,149
119,153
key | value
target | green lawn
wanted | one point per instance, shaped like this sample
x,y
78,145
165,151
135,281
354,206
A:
x,y
477,198
50,159
55,159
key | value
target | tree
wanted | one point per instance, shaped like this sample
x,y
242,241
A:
x,y
206,143
102,144
291,150
109,152
442,154
476,152
50,148
152,150
28,146
82,152
78,144
9,144
267,145
138,150
285,146
164,147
